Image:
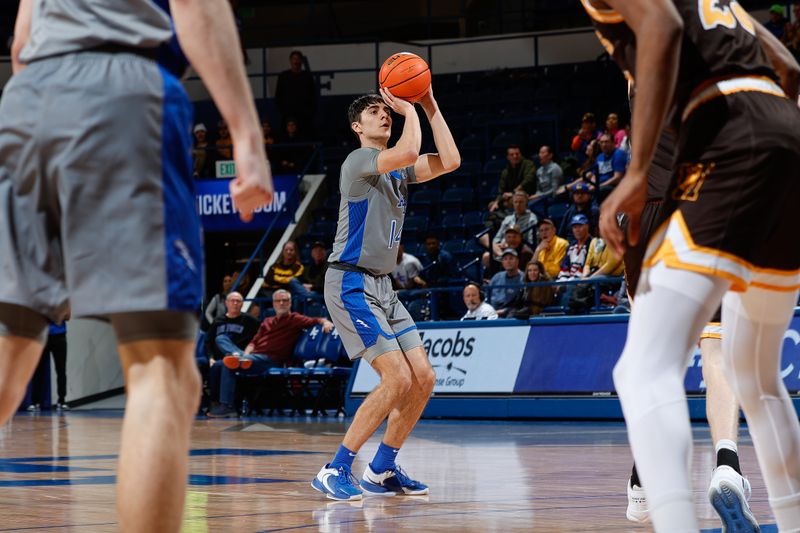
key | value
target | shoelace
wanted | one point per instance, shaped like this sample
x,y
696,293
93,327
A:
x,y
348,475
402,477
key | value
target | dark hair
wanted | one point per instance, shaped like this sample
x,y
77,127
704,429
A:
x,y
430,235
295,53
542,272
360,104
549,148
513,147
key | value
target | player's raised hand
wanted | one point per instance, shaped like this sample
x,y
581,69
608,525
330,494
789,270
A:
x,y
252,187
628,198
398,105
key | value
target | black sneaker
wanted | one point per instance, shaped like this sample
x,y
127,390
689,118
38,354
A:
x,y
222,411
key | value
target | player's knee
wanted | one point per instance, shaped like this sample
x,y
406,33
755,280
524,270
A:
x,y
427,380
399,383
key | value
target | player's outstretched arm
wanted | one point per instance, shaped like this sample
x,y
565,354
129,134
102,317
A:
x,y
22,31
406,151
207,34
659,30
430,166
782,60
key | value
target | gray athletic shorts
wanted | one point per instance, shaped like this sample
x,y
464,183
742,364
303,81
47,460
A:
x,y
97,206
367,314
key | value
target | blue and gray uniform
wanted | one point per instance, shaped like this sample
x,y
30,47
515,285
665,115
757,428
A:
x,y
95,168
358,291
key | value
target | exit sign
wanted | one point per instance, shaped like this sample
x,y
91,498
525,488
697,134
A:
x,y
226,169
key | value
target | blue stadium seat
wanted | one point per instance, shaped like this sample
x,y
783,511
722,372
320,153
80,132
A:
x,y
429,197
495,166
451,227
414,227
453,246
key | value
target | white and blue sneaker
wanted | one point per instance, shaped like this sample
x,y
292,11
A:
x,y
391,483
729,492
337,483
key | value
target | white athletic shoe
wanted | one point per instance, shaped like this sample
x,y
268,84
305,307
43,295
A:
x,y
637,505
728,493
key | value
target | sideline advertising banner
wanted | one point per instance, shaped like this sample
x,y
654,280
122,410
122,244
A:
x,y
468,360
218,214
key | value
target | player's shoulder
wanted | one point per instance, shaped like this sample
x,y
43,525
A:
x,y
360,154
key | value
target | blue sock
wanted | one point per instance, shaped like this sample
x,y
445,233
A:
x,y
384,459
343,457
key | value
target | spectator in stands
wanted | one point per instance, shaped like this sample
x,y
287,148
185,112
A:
x,y
791,34
613,129
549,175
602,261
216,306
477,308
551,249
575,259
224,142
292,158
255,311
271,347
406,274
586,134
508,283
625,144
582,203
520,173
511,240
202,161
269,138
439,266
296,93
611,164
314,273
285,274
231,333
522,217
777,22
536,298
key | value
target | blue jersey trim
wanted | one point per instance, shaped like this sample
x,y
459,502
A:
x,y
396,175
355,303
356,216
182,238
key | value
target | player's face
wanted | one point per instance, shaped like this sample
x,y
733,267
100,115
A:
x,y
472,298
376,122
514,156
580,231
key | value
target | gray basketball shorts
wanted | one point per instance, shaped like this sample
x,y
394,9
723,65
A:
x,y
97,205
367,314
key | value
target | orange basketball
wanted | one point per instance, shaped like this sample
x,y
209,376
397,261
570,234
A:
x,y
406,75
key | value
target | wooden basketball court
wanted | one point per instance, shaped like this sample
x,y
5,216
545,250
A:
x,y
57,474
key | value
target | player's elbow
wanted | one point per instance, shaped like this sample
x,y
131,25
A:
x,y
452,163
407,157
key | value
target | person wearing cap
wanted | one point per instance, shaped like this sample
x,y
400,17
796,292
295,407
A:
x,y
777,22
584,203
551,249
508,283
513,240
313,276
200,158
575,257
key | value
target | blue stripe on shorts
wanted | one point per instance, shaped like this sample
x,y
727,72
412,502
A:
x,y
182,237
355,303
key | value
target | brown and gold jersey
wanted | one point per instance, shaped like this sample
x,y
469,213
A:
x,y
719,41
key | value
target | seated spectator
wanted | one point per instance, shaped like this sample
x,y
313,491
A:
x,y
520,173
575,258
271,346
314,273
548,176
791,35
477,308
551,249
613,129
625,144
602,261
202,160
268,137
501,298
533,299
439,266
512,240
582,203
522,217
285,273
216,305
255,311
406,274
777,22
611,164
292,159
224,142
231,333
587,133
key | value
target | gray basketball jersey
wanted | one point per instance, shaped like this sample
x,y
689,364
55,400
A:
x,y
64,26
371,212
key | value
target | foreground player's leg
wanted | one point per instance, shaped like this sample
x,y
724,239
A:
x,y
755,323
382,476
672,306
729,490
336,479
22,337
163,388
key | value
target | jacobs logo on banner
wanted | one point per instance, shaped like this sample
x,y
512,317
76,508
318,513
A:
x,y
217,212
